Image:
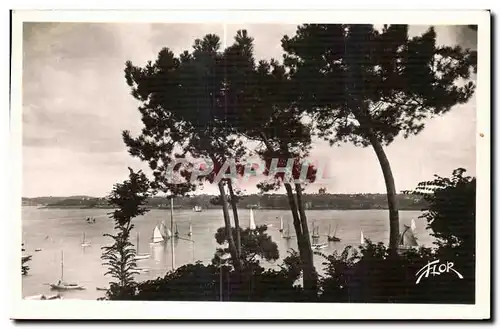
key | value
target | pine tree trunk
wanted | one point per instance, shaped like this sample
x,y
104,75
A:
x,y
391,192
312,277
229,233
235,215
356,81
303,243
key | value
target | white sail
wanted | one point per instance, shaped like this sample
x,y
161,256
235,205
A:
x,y
362,238
190,230
157,236
413,225
164,231
281,223
252,220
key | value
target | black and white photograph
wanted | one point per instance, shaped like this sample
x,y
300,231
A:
x,y
315,165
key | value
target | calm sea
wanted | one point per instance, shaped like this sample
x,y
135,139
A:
x,y
60,231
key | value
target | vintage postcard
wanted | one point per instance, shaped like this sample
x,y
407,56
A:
x,y
291,165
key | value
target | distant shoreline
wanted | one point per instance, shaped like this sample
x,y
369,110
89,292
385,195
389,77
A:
x,y
320,201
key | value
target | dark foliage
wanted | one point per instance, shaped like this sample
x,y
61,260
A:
x,y
24,268
451,210
451,217
129,197
376,275
255,245
181,102
200,282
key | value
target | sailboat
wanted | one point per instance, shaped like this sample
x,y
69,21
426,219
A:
x,y
176,231
318,246
413,225
61,285
362,238
315,234
281,224
190,230
157,234
162,231
167,234
84,242
252,225
332,237
407,238
137,255
197,209
286,234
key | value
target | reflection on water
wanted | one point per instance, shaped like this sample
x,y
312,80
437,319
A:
x,y
53,230
158,252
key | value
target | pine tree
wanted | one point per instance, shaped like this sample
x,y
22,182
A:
x,y
129,197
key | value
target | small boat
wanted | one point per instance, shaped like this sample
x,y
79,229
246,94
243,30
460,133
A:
x,y
38,249
84,242
35,297
332,237
101,288
26,258
315,234
197,209
190,233
141,257
251,223
90,220
319,246
142,269
61,285
286,234
138,256
362,238
413,226
43,297
281,224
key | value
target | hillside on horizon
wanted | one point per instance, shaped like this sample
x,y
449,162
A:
x,y
263,201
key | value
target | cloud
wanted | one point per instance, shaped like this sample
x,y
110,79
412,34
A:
x,y
71,98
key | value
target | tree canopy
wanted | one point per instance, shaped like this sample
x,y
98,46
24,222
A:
x,y
350,76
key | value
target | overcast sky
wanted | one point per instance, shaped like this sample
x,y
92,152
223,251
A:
x,y
76,104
